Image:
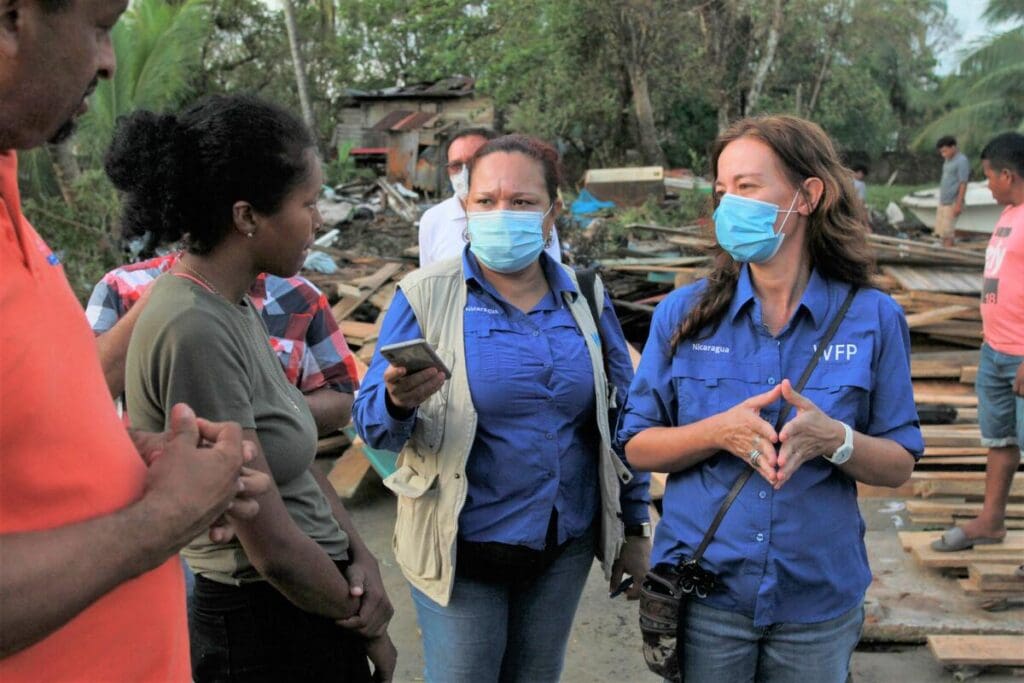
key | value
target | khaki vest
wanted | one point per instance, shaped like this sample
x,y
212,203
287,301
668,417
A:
x,y
431,477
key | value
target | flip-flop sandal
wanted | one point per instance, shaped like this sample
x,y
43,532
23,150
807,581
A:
x,y
1020,571
955,539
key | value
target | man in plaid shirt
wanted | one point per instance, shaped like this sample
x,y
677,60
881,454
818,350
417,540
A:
x,y
302,329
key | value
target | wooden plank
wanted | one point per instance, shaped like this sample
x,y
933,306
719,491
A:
x,y
376,280
347,474
961,487
968,650
946,393
1014,541
932,559
942,451
978,460
357,332
969,374
969,587
958,507
935,315
989,576
368,285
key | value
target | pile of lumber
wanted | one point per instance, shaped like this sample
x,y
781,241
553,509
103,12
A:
x,y
987,571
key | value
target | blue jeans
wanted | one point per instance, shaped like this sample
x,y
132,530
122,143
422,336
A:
x,y
1000,411
726,646
508,632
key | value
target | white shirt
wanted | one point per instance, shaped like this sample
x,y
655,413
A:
x,y
441,233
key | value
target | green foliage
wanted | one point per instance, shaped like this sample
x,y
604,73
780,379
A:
x,y
80,235
342,168
155,43
879,196
984,98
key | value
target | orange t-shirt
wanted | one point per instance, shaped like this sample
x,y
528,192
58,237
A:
x,y
64,458
1002,296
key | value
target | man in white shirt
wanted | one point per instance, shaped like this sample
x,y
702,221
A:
x,y
443,226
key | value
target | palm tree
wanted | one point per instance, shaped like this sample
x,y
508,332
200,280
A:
x,y
301,82
156,44
986,95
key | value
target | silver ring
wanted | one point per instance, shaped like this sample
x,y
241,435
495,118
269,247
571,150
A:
x,y
754,454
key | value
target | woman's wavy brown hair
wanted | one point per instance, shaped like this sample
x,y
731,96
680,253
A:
x,y
836,234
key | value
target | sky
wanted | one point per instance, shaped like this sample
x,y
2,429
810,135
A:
x,y
966,14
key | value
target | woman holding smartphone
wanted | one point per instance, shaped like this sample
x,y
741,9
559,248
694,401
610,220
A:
x,y
507,484
240,178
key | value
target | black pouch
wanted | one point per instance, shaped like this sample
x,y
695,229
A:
x,y
664,598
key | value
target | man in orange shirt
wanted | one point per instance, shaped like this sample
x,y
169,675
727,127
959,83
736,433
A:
x,y
90,586
1000,380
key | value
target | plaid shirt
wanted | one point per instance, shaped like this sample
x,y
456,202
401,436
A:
x,y
302,329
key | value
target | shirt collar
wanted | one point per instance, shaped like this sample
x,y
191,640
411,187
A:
x,y
556,276
815,299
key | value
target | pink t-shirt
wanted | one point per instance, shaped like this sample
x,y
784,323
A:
x,y
1002,296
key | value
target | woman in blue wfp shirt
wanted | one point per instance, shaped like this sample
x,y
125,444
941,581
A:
x,y
720,364
507,484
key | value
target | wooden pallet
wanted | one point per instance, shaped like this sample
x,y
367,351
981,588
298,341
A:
x,y
988,576
918,543
957,508
968,650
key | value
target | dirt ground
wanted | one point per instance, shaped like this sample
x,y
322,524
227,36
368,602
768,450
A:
x,y
605,640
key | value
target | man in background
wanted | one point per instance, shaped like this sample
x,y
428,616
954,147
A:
x,y
956,171
443,227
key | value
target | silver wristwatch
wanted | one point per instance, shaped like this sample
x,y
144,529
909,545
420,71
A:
x,y
844,452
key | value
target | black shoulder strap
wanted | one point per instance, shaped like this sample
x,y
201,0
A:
x,y
783,414
586,280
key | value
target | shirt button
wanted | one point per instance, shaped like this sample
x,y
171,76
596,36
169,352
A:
x,y
762,495
549,436
771,380
536,333
759,537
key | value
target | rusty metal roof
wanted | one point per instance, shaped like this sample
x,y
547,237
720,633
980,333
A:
x,y
404,120
455,86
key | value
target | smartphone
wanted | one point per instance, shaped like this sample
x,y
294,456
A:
x,y
414,355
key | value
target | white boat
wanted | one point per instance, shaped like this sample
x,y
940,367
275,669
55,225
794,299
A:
x,y
980,208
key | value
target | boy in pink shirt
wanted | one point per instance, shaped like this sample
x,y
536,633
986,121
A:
x,y
1000,382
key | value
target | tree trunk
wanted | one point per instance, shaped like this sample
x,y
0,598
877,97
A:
x,y
763,66
65,168
826,61
649,146
299,64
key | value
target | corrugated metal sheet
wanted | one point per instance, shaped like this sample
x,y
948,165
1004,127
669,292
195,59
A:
x,y
415,121
390,119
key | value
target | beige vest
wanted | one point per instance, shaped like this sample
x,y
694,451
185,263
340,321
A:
x,y
431,477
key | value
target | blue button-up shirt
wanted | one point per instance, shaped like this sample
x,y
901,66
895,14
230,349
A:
x,y
795,555
532,386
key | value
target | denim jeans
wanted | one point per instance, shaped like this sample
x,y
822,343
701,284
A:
x,y
252,633
726,646
1000,411
508,632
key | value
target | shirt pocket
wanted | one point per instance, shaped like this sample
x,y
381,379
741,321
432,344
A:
x,y
843,393
706,388
290,353
428,436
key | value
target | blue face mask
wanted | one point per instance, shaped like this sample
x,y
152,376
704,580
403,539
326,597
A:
x,y
745,227
506,241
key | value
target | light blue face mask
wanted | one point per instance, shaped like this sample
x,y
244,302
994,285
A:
x,y
745,227
506,241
